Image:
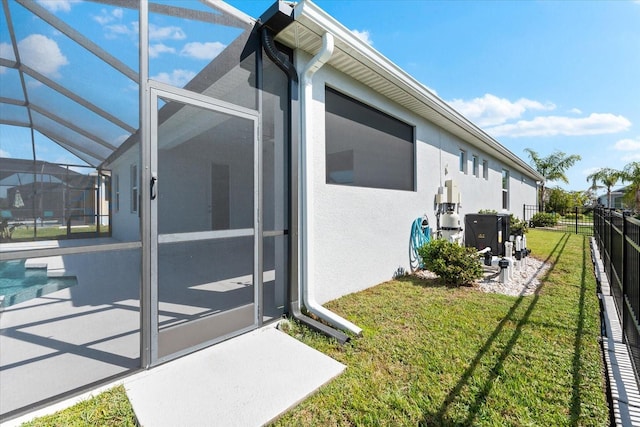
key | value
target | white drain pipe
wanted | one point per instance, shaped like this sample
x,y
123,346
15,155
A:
x,y
306,189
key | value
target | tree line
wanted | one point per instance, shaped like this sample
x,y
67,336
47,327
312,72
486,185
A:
x,y
553,168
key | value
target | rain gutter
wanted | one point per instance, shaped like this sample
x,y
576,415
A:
x,y
274,20
306,190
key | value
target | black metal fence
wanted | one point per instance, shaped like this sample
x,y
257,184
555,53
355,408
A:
x,y
618,239
578,220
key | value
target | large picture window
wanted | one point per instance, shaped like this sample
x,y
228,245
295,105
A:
x,y
366,147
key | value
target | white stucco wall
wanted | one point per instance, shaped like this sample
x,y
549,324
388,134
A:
x,y
361,235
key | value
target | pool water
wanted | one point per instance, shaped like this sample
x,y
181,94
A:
x,y
19,284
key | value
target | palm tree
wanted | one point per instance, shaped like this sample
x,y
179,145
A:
x,y
608,177
552,168
631,173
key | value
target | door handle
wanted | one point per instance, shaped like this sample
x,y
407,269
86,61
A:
x,y
152,187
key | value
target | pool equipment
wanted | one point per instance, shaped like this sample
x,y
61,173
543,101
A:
x,y
447,213
482,230
504,270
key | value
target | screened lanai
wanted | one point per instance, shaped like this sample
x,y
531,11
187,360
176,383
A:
x,y
143,189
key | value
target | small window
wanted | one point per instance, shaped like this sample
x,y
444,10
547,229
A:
x,y
463,161
505,189
365,147
116,192
485,169
476,166
134,188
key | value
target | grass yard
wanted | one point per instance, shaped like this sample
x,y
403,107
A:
x,y
110,408
434,355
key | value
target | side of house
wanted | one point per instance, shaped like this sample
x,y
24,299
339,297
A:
x,y
379,161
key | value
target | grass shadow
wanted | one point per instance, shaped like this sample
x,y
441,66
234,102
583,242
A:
x,y
440,417
423,282
576,399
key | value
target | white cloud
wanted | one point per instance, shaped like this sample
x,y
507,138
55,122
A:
x,y
363,35
105,17
628,144
575,111
589,171
156,49
58,5
199,50
595,124
491,110
4,153
6,51
42,54
115,30
177,77
164,33
102,19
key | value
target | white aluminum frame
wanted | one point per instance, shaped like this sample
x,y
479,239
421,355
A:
x,y
160,90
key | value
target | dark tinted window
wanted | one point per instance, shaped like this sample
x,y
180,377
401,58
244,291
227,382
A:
x,y
366,147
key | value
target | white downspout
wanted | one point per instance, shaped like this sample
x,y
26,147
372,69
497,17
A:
x,y
306,190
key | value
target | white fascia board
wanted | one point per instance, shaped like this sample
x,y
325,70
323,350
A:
x,y
317,20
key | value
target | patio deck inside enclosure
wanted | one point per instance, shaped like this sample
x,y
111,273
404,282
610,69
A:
x,y
145,154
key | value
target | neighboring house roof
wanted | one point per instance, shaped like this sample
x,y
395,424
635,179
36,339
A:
x,y
615,193
10,167
359,60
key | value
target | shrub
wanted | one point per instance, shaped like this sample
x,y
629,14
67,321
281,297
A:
x,y
543,219
517,226
455,264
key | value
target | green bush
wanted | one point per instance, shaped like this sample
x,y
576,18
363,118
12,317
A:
x,y
543,219
517,226
455,264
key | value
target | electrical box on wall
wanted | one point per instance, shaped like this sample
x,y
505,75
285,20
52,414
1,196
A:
x,y
487,230
448,194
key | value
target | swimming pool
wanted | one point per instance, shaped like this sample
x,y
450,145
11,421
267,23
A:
x,y
19,284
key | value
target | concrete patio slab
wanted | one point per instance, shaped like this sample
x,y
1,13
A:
x,y
246,381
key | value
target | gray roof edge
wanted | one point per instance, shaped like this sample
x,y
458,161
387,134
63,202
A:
x,y
278,16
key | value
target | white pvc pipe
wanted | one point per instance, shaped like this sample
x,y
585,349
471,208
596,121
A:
x,y
306,190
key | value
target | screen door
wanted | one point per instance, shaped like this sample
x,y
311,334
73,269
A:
x,y
205,199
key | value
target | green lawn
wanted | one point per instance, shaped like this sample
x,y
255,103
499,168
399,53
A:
x,y
434,355
111,408
24,233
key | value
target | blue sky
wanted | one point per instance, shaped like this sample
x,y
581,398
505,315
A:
x,y
545,75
